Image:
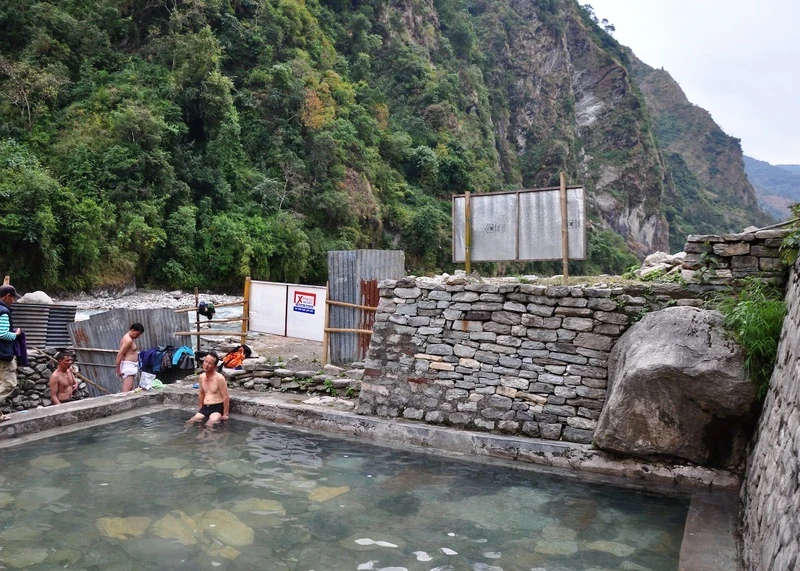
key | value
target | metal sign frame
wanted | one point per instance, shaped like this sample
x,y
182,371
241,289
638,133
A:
x,y
510,239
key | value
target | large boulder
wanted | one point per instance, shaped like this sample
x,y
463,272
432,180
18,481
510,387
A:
x,y
678,389
36,297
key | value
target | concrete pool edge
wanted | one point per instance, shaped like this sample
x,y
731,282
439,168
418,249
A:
x,y
289,409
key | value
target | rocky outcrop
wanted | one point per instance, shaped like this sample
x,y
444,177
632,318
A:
x,y
562,100
678,389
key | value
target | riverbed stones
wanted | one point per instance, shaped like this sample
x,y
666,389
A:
x,y
678,389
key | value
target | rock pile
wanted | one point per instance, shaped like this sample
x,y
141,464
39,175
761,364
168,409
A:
x,y
259,374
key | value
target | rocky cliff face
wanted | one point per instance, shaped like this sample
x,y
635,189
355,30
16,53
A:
x,y
707,189
563,101
548,91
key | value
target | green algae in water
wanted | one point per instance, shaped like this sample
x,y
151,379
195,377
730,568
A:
x,y
146,493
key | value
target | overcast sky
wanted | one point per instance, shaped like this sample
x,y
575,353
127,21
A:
x,y
738,60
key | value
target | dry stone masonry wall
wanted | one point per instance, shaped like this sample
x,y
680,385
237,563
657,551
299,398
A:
x,y
33,384
507,356
718,260
771,491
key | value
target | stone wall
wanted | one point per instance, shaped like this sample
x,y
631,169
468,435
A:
x,y
514,357
771,490
33,384
717,260
524,358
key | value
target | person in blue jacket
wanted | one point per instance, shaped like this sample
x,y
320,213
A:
x,y
8,335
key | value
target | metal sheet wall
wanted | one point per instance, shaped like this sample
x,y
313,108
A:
x,y
523,225
353,277
105,330
45,325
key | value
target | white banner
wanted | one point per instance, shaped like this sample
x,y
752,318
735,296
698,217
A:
x,y
290,310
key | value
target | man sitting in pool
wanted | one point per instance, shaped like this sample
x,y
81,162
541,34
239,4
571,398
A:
x,y
214,399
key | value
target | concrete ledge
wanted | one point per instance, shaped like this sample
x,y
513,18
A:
x,y
285,408
289,409
47,418
709,537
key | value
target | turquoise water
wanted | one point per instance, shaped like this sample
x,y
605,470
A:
x,y
145,493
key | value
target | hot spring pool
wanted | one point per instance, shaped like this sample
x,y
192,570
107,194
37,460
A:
x,y
145,493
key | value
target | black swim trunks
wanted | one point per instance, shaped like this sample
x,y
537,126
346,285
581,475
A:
x,y
208,409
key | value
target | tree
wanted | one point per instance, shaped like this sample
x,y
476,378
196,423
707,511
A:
x,y
29,88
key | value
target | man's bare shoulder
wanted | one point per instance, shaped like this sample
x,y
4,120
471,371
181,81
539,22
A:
x,y
57,374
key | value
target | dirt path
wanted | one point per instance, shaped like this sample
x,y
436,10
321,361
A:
x,y
297,353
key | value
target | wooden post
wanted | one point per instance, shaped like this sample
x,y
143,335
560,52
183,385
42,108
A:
x,y
7,280
467,233
197,316
325,337
564,231
245,310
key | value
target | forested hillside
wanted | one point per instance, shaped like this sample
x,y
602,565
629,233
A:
x,y
185,143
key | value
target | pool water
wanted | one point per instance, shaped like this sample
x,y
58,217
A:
x,y
147,493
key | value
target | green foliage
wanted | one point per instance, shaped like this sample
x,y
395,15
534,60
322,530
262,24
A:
x,y
194,143
608,253
754,315
791,242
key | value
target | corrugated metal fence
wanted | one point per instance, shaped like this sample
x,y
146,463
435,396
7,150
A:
x,y
353,277
97,339
45,325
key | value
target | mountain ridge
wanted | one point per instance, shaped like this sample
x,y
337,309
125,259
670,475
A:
x,y
777,186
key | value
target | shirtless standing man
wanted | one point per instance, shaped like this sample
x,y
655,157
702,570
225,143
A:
x,y
214,400
62,381
128,357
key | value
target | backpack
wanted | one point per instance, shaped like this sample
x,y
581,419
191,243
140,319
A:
x,y
206,309
236,357
186,363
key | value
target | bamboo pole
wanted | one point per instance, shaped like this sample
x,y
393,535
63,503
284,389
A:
x,y
467,233
245,310
355,305
203,333
94,350
228,304
325,336
564,232
197,316
83,378
230,320
342,330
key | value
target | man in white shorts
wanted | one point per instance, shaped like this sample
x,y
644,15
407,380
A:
x,y
128,357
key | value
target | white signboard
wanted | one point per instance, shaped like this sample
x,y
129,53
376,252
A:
x,y
268,307
290,310
520,226
305,312
494,227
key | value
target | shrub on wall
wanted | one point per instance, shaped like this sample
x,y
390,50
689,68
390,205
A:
x,y
755,315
